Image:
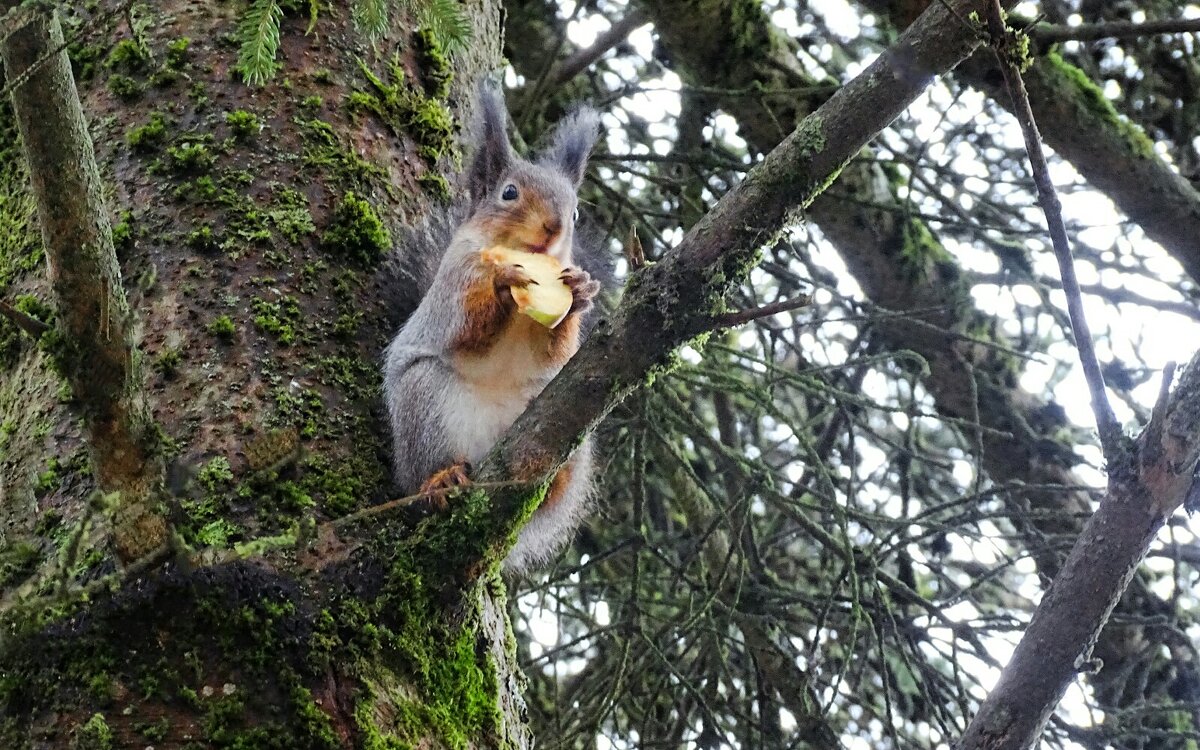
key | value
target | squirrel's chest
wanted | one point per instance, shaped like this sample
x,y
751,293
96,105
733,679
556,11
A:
x,y
495,387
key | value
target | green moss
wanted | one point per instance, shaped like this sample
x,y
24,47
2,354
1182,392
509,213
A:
x,y
202,239
124,87
93,735
129,56
278,318
167,362
34,307
191,157
290,215
48,480
153,731
218,533
435,185
409,111
356,232
324,154
301,408
177,53
435,64
17,561
222,327
243,124
345,326
1064,77
150,135
20,241
920,250
215,475
312,103
323,76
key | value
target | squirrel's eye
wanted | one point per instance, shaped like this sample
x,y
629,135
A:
x,y
577,215
510,192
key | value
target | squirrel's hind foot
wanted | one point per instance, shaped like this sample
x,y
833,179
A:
x,y
442,482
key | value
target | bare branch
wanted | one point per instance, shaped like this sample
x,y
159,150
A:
x,y
1106,420
741,317
26,323
1144,490
1045,34
572,66
97,351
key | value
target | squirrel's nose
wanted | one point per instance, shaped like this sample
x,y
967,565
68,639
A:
x,y
552,226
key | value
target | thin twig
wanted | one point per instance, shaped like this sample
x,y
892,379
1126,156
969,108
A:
x,y
729,320
1106,421
408,501
1045,34
26,323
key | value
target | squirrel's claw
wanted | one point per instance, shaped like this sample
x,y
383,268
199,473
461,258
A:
x,y
438,486
508,277
583,288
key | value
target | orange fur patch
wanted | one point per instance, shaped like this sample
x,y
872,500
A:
x,y
483,320
558,487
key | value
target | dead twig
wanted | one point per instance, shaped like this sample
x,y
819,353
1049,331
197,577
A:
x,y
1006,47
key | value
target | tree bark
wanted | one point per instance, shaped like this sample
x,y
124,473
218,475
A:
x,y
252,227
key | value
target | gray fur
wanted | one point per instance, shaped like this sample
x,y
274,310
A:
x,y
572,142
435,411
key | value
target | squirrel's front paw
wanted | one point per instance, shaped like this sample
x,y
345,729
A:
x,y
583,288
442,482
508,277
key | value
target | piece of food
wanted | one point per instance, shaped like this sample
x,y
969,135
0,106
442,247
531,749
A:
x,y
548,299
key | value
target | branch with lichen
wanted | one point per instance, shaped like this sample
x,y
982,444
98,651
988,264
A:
x,y
92,341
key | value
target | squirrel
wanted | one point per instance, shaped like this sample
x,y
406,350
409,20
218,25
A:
x,y
465,364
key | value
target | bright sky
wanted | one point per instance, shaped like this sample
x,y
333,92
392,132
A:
x,y
1136,335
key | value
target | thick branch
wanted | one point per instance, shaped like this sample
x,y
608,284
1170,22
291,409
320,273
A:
x,y
667,304
1142,494
1112,154
96,349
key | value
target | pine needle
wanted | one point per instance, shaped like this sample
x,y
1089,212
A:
x,y
448,22
371,17
259,32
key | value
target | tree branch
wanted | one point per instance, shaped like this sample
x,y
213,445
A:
x,y
96,351
26,323
1144,490
572,66
667,304
1112,154
1046,34
1106,420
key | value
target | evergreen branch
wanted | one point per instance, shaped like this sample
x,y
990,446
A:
x,y
259,32
371,17
448,22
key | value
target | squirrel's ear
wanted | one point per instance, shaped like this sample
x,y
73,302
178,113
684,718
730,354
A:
x,y
492,150
572,142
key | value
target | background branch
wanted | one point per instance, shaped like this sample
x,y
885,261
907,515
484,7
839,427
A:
x,y
1106,421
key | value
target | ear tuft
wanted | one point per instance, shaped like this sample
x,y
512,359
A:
x,y
493,154
572,142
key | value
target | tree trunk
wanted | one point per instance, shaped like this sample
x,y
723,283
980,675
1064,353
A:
x,y
254,227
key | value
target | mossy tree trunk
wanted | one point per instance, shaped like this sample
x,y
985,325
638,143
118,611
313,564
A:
x,y
253,228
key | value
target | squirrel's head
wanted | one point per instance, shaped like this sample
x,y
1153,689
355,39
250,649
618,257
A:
x,y
529,205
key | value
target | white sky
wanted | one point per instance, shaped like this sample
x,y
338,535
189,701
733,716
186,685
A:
x,y
1138,334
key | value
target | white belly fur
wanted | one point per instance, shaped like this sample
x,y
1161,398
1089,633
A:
x,y
494,388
